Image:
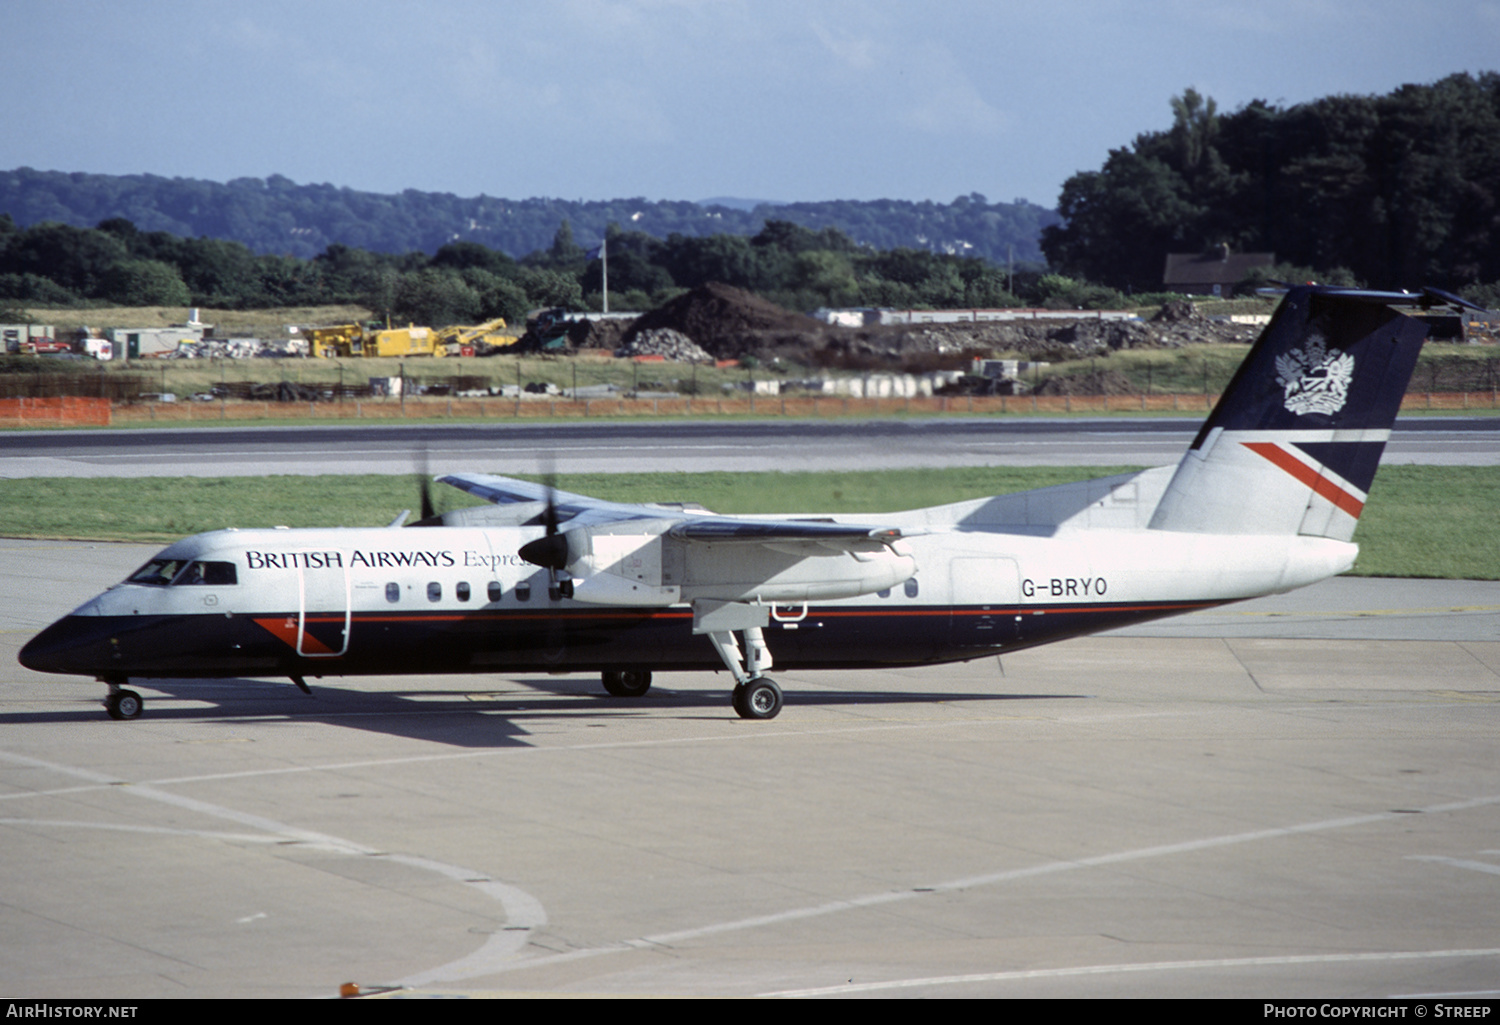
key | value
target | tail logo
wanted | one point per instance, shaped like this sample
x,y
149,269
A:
x,y
1314,380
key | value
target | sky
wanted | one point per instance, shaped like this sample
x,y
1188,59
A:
x,y
787,100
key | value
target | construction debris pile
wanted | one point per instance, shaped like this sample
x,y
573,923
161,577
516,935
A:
x,y
239,348
664,342
729,323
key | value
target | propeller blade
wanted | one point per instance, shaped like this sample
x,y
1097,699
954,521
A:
x,y
551,550
549,517
430,516
428,512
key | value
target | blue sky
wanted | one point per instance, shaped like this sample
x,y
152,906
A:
x,y
679,99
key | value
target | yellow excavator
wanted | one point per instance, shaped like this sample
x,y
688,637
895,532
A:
x,y
346,341
470,341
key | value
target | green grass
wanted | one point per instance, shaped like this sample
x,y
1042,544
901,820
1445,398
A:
x,y
1431,521
1421,521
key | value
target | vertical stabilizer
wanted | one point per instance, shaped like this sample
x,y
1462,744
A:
x,y
1294,442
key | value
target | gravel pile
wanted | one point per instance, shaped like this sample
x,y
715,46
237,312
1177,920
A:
x,y
665,342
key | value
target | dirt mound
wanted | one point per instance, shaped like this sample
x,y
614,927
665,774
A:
x,y
597,334
1091,382
725,321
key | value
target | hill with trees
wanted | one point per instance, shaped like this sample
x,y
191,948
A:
x,y
277,216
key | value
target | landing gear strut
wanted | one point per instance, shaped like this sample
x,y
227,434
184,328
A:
x,y
627,683
755,696
121,702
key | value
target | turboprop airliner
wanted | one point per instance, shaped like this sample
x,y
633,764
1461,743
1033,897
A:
x,y
538,580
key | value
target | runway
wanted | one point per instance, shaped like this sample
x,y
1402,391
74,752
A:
x,y
684,445
1295,797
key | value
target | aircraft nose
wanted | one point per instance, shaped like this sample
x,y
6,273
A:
x,y
73,644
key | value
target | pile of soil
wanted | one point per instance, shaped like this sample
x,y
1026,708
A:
x,y
1090,382
597,334
728,322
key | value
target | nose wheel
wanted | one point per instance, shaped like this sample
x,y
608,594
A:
x,y
123,703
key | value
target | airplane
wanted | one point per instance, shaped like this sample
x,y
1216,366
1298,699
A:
x,y
1265,500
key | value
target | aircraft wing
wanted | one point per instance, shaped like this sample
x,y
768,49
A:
x,y
569,506
574,510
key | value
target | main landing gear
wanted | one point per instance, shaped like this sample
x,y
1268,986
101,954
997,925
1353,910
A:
x,y
756,696
121,702
627,683
759,698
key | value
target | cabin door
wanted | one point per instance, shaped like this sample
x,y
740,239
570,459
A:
x,y
323,608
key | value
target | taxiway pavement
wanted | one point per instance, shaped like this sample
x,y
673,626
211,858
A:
x,y
1302,801
683,445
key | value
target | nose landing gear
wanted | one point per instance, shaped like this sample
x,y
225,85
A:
x,y
121,702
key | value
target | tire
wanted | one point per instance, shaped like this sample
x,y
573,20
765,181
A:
x,y
123,704
627,683
758,699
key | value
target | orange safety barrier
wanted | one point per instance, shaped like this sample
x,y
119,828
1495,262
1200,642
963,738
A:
x,y
65,411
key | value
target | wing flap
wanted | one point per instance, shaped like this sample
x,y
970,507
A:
x,y
792,535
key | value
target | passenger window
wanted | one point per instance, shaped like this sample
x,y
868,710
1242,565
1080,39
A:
x,y
434,591
883,594
911,587
461,590
393,593
495,590
523,591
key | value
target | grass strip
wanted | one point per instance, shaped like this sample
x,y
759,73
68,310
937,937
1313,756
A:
x,y
1421,521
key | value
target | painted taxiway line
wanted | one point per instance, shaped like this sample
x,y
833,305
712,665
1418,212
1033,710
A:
x,y
523,912
1125,969
671,939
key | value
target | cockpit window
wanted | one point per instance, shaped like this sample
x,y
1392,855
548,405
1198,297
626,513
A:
x,y
166,572
160,572
209,574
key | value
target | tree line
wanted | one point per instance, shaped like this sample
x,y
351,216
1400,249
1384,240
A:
x,y
1400,190
467,282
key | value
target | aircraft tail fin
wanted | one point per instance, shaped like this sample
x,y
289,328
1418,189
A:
x,y
1294,442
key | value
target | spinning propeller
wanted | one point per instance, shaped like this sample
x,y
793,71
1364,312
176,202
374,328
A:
x,y
551,550
430,516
